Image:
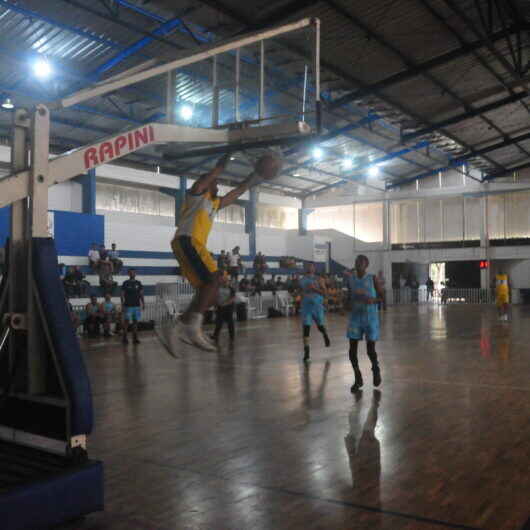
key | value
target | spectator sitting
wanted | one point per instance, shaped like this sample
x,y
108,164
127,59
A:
x,y
114,256
269,285
82,284
257,284
108,314
62,271
221,261
70,283
106,281
93,317
244,285
94,257
103,252
74,317
278,283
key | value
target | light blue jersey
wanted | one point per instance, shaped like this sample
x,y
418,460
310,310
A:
x,y
312,308
364,319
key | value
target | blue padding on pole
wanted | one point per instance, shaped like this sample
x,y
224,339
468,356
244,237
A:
x,y
59,499
49,285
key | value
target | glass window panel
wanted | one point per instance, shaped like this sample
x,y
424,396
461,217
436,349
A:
x,y
473,218
453,219
496,228
404,222
433,220
338,218
269,216
368,224
518,215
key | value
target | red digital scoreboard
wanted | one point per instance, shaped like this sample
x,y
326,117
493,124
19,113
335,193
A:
x,y
484,264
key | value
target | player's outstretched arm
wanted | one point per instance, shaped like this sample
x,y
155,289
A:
x,y
203,183
267,168
251,181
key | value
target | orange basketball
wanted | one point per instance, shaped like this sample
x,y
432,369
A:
x,y
268,166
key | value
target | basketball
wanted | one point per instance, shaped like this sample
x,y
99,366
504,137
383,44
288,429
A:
x,y
269,166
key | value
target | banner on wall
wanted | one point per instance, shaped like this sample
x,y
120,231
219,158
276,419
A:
x,y
320,252
51,224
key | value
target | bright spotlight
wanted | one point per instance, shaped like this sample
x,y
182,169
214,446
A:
x,y
42,68
317,153
373,171
347,164
186,112
8,104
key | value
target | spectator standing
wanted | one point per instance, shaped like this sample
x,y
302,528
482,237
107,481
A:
x,y
430,288
108,314
225,309
114,256
106,281
260,263
93,317
235,263
132,299
94,257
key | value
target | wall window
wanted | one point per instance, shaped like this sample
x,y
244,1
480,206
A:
x,y
517,222
119,198
233,214
432,209
496,229
368,222
338,218
453,218
405,219
472,218
269,216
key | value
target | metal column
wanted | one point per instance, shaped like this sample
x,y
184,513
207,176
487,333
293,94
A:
x,y
250,221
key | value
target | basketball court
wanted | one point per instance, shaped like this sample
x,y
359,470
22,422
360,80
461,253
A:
x,y
176,161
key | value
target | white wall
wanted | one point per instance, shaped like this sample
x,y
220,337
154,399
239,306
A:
x,y
67,196
272,242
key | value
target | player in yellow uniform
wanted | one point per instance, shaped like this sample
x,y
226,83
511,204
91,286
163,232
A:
x,y
189,243
502,295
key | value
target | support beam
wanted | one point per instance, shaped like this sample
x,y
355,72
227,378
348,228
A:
x,y
251,215
180,198
164,29
419,69
303,214
88,187
465,116
461,159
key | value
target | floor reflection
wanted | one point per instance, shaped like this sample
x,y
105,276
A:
x,y
364,452
313,399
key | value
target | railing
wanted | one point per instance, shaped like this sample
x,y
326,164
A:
x,y
148,314
407,295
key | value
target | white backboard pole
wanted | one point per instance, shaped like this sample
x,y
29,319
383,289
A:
x,y
205,53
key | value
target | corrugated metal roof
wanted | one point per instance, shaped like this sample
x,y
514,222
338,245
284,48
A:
x,y
78,42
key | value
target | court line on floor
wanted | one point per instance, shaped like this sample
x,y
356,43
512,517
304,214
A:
x,y
311,496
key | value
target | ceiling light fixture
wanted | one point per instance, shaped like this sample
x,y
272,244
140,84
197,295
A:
x,y
42,68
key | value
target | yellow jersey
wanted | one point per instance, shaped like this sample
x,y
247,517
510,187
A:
x,y
197,215
501,287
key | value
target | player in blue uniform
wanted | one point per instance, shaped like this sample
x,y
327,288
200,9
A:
x,y
366,293
312,308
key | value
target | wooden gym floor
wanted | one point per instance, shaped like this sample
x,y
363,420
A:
x,y
251,439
